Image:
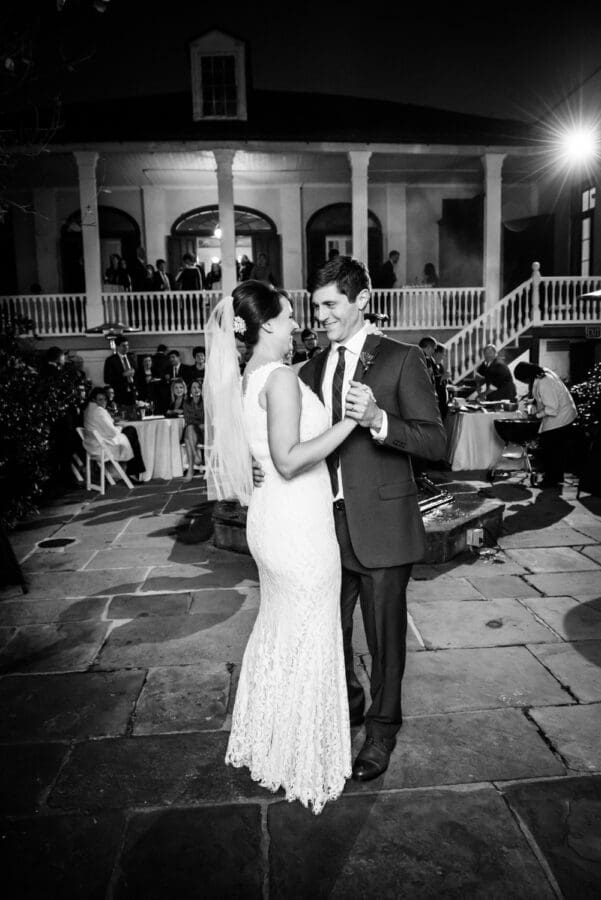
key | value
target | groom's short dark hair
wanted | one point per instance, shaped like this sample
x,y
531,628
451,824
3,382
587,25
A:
x,y
349,275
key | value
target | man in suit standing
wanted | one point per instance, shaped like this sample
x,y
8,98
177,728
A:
x,y
162,279
378,522
495,376
387,274
120,371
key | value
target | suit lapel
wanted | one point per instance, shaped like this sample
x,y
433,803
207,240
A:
x,y
367,357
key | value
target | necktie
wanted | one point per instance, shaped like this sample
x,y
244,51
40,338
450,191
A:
x,y
334,458
126,363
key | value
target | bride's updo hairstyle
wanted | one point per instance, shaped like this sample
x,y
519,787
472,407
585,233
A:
x,y
256,303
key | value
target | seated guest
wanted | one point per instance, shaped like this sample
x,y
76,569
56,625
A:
x,y
123,443
179,390
194,428
556,411
495,377
146,381
111,404
196,372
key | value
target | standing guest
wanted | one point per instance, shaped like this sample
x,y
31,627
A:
x,y
246,265
162,369
441,380
557,411
123,278
387,276
430,275
123,443
309,339
261,271
188,278
194,425
53,364
162,279
495,377
119,372
213,278
149,280
176,368
160,362
428,345
111,273
178,391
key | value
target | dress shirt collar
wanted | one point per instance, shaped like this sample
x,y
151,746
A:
x,y
354,344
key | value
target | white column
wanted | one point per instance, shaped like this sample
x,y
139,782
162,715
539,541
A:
x,y
46,239
492,163
292,236
396,228
88,204
155,223
225,195
359,160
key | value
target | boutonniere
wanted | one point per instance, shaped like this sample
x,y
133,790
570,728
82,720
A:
x,y
367,360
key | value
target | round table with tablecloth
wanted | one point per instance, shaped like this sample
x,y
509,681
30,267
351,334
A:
x,y
472,441
160,441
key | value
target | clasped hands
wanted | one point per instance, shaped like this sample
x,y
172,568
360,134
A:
x,y
360,405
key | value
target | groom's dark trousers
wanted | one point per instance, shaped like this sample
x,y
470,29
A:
x,y
378,524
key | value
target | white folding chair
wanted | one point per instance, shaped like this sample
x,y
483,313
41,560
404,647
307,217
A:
x,y
102,456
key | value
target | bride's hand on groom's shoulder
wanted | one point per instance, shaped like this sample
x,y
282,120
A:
x,y
258,474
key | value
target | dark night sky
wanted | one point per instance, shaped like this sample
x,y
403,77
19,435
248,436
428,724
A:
x,y
511,60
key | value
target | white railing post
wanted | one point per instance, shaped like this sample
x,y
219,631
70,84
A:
x,y
536,294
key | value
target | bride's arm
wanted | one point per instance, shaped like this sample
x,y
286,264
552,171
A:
x,y
291,456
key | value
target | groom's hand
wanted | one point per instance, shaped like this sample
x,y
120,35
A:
x,y
360,405
258,474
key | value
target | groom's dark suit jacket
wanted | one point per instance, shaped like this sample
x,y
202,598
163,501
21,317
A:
x,y
380,494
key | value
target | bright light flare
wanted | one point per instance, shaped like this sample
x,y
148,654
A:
x,y
579,146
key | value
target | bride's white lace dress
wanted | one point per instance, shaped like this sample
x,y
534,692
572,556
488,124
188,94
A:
x,y
290,723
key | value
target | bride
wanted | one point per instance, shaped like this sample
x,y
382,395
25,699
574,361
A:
x,y
290,724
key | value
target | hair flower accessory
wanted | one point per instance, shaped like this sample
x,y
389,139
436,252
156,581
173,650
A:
x,y
239,325
367,360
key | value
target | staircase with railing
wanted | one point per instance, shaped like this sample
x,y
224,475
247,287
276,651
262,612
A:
x,y
541,300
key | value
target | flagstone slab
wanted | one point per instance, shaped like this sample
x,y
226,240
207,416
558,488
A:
x,y
444,589
437,843
468,566
131,606
163,540
183,698
571,619
591,529
593,552
6,634
36,612
564,818
63,647
556,559
575,732
496,587
151,524
566,584
26,773
93,527
576,665
177,640
125,557
52,857
554,536
194,578
211,853
225,600
452,680
71,559
463,748
62,585
159,770
491,623
62,707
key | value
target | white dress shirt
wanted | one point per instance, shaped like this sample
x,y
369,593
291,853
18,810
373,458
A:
x,y
354,346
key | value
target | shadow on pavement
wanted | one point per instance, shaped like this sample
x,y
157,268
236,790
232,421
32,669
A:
x,y
580,617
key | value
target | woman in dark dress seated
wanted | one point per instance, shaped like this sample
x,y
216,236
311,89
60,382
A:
x,y
194,430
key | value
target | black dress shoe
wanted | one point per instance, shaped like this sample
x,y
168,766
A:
x,y
373,758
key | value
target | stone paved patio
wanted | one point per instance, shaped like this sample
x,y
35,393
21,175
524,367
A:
x,y
118,671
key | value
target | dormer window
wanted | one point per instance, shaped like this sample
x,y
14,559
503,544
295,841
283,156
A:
x,y
218,77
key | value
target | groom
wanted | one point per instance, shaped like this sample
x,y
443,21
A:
x,y
386,387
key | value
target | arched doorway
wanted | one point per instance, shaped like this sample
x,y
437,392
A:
x,y
331,227
118,233
194,232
